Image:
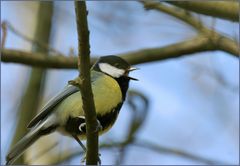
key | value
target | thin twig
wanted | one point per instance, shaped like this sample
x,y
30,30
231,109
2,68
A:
x,y
161,149
4,34
180,14
224,10
10,27
84,83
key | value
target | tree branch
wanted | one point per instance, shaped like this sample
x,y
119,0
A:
x,y
213,41
195,45
188,47
175,12
178,152
224,10
219,41
68,155
225,44
85,83
38,59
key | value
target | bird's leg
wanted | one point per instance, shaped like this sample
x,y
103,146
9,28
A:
x,y
99,126
82,128
80,143
85,149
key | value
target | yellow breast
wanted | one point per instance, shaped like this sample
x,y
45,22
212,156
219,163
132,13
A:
x,y
107,95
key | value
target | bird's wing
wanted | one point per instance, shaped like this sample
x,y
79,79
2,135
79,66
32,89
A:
x,y
48,108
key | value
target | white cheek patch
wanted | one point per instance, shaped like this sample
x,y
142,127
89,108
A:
x,y
111,70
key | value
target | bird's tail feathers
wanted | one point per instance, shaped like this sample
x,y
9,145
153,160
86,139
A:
x,y
27,141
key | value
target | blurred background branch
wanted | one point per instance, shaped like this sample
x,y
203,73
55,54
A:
x,y
72,153
217,40
160,149
177,152
35,85
214,41
35,41
39,59
4,34
228,10
198,44
139,105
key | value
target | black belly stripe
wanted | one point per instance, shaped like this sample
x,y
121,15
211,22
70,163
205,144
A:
x,y
106,120
72,125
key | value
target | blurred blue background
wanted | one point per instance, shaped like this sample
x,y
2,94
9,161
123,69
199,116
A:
x,y
194,100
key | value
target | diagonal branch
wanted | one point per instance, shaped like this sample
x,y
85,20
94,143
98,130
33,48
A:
x,y
224,10
38,43
178,13
195,45
178,152
219,41
85,83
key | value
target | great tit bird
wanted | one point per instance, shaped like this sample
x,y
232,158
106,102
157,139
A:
x,y
109,79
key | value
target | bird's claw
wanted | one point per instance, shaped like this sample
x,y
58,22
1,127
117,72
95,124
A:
x,y
99,126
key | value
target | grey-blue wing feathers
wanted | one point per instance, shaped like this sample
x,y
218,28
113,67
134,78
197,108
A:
x,y
67,91
48,108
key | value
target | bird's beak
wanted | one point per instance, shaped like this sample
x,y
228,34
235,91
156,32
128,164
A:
x,y
131,78
132,69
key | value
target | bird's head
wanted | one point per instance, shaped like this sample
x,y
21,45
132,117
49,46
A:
x,y
114,66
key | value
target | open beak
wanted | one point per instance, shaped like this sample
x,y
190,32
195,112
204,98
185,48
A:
x,y
132,69
131,78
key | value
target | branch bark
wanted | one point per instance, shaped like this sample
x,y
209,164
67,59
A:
x,y
85,83
224,10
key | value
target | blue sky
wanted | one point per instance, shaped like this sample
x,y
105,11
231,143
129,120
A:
x,y
189,108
